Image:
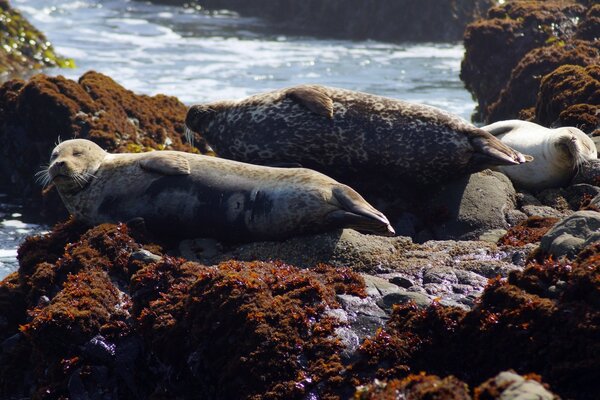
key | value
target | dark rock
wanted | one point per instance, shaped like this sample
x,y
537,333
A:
x,y
473,205
572,234
34,114
570,96
588,172
391,20
22,46
494,46
521,91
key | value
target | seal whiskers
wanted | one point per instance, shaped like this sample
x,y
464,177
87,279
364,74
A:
x,y
191,195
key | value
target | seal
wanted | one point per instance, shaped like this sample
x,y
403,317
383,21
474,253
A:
x,y
348,135
558,153
191,195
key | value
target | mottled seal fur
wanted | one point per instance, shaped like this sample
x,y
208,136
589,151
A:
x,y
191,195
348,134
558,153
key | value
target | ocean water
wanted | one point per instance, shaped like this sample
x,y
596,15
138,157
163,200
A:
x,y
203,56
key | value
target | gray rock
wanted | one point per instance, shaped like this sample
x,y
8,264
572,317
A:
x,y
364,316
572,234
438,264
516,387
388,301
544,212
473,205
493,235
589,172
145,256
378,287
514,217
576,195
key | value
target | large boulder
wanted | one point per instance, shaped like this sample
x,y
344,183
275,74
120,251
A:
x,y
495,45
519,96
144,324
572,234
34,115
22,46
570,96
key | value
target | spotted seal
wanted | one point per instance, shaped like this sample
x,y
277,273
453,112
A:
x,y
348,134
558,153
190,195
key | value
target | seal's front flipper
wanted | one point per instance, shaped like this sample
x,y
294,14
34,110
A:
x,y
490,151
166,163
312,97
356,213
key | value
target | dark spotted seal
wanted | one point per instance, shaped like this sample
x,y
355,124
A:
x,y
190,195
347,134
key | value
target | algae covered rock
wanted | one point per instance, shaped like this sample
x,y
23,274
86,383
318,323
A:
x,y
143,324
495,45
37,113
570,95
22,46
521,92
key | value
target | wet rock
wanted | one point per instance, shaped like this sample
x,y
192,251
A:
x,y
529,231
520,323
415,387
267,329
495,45
570,96
22,46
435,263
391,20
588,172
472,205
572,234
508,385
34,114
520,93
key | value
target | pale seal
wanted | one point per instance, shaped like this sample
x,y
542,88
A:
x,y
190,195
558,153
348,135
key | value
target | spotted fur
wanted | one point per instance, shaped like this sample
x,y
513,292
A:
x,y
362,132
190,195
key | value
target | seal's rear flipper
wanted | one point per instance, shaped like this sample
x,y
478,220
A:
x,y
312,97
491,151
356,213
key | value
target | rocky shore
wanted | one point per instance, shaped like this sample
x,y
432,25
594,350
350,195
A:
x,y
22,46
516,61
389,20
488,291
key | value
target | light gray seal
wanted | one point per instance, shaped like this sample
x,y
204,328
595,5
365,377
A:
x,y
190,195
558,153
348,135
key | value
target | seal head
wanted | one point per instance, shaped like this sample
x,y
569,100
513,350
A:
x,y
558,153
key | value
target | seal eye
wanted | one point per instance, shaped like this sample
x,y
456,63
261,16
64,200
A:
x,y
53,156
77,153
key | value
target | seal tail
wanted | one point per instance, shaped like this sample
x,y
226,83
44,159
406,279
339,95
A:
x,y
491,151
357,214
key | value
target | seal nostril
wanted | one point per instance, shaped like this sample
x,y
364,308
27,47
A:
x,y
59,163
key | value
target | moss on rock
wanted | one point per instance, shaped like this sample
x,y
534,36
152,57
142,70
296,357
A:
x,y
22,46
570,95
34,114
495,45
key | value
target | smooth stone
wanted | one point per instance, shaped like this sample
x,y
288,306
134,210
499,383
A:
x,y
387,302
572,234
515,387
